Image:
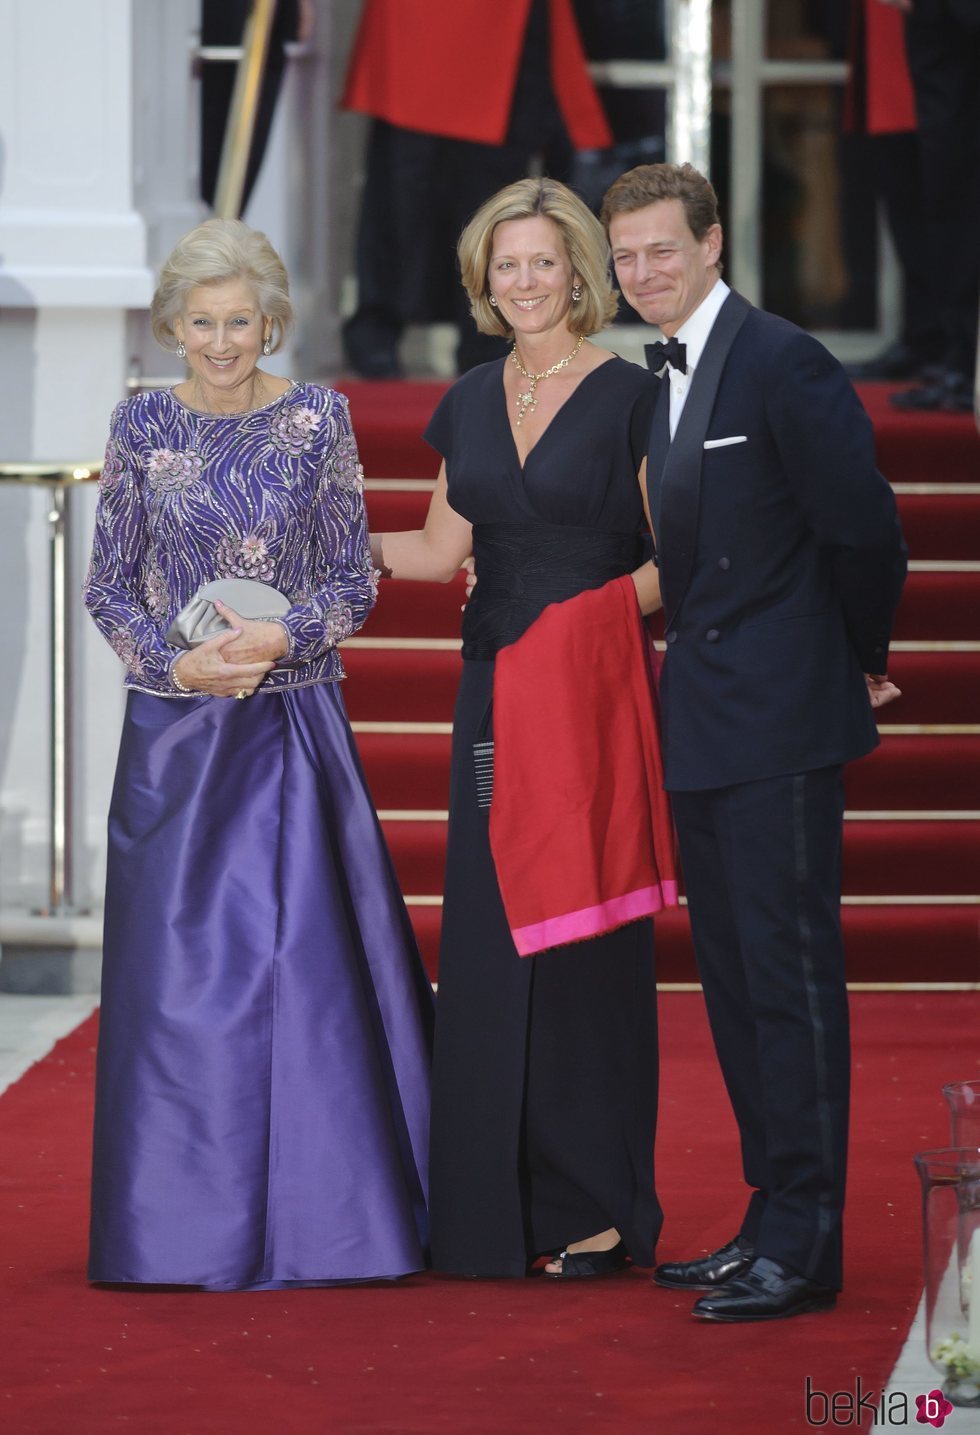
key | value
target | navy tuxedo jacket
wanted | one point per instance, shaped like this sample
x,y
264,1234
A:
x,y
781,559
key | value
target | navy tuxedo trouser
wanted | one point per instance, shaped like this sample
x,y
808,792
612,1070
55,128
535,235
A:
x,y
762,864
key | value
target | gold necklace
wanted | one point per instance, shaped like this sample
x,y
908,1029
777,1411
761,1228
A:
x,y
528,399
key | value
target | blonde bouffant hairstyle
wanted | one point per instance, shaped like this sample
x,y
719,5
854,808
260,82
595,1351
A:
x,y
218,250
582,235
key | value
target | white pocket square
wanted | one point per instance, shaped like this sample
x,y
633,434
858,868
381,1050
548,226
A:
x,y
724,442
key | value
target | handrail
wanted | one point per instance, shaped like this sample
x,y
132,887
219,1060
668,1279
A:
x,y
59,479
240,126
66,473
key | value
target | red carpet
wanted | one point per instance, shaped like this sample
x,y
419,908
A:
x,y
491,1358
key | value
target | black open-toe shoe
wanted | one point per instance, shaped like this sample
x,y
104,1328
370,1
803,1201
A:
x,y
575,1265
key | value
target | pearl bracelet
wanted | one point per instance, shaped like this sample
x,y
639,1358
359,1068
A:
x,y
181,687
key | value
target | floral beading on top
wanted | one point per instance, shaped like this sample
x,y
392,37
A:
x,y
339,622
155,588
170,472
343,469
114,466
246,557
272,495
123,644
293,430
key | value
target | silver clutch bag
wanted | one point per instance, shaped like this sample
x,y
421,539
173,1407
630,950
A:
x,y
200,620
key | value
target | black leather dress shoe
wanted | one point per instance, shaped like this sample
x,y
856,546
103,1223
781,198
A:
x,y
708,1273
949,392
767,1291
900,360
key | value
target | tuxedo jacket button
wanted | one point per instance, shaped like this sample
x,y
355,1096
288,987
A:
x,y
672,636
712,635
724,564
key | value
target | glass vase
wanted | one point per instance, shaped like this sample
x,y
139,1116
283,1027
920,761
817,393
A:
x,y
951,1247
963,1100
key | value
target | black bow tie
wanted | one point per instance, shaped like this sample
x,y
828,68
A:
x,y
672,352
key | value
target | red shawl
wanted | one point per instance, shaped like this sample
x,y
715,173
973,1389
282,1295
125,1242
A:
x,y
580,826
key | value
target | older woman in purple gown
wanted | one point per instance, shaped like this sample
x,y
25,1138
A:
x,y
262,1090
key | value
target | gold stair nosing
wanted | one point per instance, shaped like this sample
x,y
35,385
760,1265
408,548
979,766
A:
x,y
956,899
407,728
943,565
939,729
412,814
669,987
445,645
926,729
911,814
426,485
962,814
942,490
434,645
399,485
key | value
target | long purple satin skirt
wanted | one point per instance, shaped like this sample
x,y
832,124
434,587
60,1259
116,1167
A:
x,y
262,1093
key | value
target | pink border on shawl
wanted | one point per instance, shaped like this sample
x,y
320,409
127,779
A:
x,y
593,921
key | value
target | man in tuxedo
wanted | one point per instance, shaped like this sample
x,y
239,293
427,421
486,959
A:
x,y
781,563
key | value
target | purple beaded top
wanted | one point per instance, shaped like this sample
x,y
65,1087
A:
x,y
274,494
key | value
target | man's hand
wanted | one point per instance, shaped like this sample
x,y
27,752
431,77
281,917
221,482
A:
x,y
880,690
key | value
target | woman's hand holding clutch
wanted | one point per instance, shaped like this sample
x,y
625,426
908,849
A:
x,y
258,640
207,669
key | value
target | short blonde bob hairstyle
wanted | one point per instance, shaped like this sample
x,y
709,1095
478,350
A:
x,y
582,234
217,250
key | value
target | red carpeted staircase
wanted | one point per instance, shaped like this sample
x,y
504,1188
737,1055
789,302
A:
x,y
912,841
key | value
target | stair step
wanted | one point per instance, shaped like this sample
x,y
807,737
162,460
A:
x,y
883,944
935,605
420,686
412,686
921,447
944,525
923,858
943,606
390,416
411,771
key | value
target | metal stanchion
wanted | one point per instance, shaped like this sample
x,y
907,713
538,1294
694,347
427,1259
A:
x,y
58,480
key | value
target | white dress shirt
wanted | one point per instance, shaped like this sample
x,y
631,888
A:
x,y
694,334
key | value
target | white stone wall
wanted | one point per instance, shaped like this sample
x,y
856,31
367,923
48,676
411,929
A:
x,y
98,178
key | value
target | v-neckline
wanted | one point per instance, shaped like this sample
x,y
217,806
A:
x,y
522,465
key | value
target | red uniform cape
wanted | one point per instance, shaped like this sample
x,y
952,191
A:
x,y
889,99
448,67
580,826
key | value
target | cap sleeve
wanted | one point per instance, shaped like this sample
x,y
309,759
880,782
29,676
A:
x,y
439,430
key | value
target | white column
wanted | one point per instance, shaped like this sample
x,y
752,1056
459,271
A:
x,y
73,264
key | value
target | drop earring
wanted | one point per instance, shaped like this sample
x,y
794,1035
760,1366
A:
x,y
181,351
576,293
493,300
267,347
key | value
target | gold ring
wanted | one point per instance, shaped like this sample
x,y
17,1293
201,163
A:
x,y
242,693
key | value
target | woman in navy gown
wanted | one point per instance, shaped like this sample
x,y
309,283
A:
x,y
545,1067
263,1069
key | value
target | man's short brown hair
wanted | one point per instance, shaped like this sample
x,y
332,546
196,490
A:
x,y
649,183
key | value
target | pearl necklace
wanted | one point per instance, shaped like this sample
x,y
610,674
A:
x,y
528,399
